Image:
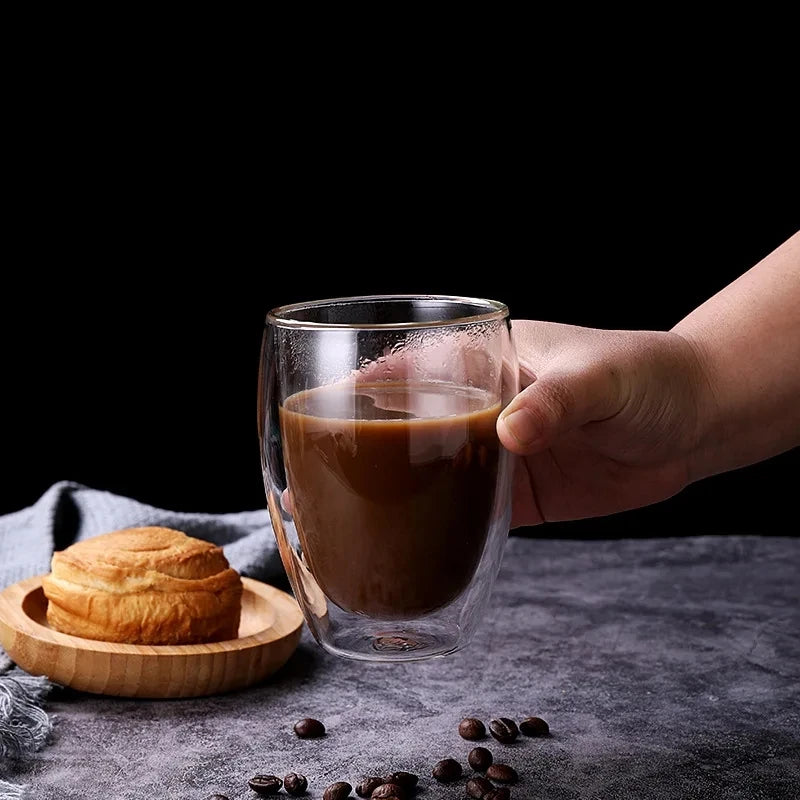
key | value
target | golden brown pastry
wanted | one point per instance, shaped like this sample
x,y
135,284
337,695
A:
x,y
144,586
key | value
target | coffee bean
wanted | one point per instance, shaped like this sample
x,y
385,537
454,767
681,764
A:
x,y
478,787
309,728
447,770
502,793
337,791
406,780
534,726
389,791
216,797
505,730
480,759
368,786
265,784
471,729
502,773
295,784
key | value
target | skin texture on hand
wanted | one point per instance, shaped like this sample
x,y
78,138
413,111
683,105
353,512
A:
x,y
605,421
613,420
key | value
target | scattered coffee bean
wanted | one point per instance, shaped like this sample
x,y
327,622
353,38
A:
x,y
447,770
505,730
479,787
295,784
216,797
368,786
480,759
534,726
309,728
406,780
265,784
502,793
389,791
337,791
502,773
471,729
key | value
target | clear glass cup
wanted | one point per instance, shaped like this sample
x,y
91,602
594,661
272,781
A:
x,y
387,486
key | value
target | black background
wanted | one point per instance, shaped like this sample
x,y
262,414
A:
x,y
150,240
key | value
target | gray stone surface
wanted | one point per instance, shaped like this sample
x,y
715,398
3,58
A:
x,y
667,668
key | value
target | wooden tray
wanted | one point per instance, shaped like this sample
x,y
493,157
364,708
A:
x,y
268,635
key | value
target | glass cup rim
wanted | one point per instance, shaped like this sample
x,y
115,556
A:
x,y
486,310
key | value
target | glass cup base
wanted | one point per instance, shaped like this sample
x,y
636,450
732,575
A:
x,y
395,642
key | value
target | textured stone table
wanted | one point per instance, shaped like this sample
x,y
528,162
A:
x,y
667,668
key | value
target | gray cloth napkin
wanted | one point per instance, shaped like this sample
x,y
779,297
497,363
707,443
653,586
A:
x,y
67,513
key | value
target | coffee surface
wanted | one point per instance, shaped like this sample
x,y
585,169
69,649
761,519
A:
x,y
393,486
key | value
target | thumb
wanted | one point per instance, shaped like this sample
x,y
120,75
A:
x,y
557,402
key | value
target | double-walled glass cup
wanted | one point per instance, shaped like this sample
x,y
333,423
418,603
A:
x,y
387,486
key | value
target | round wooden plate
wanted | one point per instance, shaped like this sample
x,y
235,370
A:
x,y
268,635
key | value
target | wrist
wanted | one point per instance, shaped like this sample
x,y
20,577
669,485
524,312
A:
x,y
703,441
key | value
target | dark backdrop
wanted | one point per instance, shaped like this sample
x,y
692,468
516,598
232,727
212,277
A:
x,y
134,309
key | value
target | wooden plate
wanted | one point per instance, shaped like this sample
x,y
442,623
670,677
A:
x,y
268,635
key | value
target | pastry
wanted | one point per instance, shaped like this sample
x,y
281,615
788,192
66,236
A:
x,y
144,586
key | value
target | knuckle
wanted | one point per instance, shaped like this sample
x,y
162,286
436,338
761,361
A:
x,y
559,398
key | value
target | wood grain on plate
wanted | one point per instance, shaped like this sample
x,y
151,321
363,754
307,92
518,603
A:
x,y
268,635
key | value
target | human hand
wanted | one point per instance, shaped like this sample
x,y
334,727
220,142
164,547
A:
x,y
606,420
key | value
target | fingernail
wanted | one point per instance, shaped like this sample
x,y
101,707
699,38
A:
x,y
522,426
